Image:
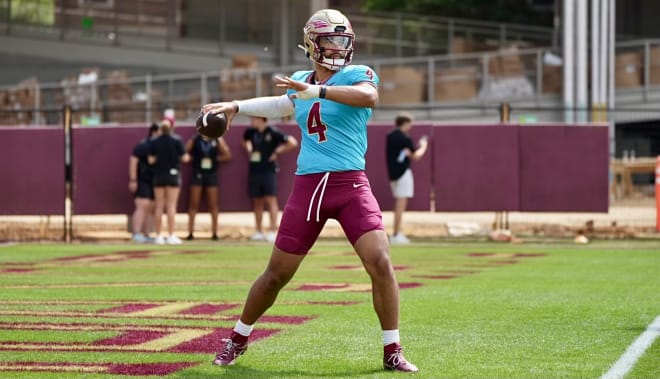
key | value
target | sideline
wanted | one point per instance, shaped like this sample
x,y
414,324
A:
x,y
634,352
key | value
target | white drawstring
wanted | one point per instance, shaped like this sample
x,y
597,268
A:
x,y
323,182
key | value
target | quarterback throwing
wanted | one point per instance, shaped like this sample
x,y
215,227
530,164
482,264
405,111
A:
x,y
331,104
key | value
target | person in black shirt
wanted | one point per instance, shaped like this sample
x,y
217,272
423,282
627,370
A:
x,y
141,186
399,151
166,154
206,154
263,144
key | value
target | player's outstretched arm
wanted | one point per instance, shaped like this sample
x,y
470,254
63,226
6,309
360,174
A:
x,y
362,94
267,106
359,95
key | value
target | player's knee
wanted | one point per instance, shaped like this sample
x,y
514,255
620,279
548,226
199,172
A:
x,y
380,266
275,279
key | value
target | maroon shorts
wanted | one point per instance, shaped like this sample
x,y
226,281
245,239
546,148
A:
x,y
345,196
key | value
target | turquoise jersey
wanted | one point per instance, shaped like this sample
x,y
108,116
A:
x,y
334,135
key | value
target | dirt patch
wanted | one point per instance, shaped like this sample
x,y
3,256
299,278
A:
x,y
114,230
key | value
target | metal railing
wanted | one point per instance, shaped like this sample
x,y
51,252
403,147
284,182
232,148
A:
x,y
147,24
404,34
424,83
411,81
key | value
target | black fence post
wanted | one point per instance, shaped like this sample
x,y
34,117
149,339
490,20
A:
x,y
68,174
502,217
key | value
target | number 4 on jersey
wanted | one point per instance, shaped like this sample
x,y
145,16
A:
x,y
314,123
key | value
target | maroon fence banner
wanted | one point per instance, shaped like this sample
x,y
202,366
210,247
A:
x,y
101,170
476,168
233,175
32,171
469,168
564,168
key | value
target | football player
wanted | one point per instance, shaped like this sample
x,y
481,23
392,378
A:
x,y
331,104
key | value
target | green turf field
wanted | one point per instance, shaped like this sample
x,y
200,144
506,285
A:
x,y
468,311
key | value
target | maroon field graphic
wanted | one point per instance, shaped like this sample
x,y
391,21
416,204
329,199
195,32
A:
x,y
168,326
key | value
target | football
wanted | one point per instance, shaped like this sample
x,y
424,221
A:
x,y
211,125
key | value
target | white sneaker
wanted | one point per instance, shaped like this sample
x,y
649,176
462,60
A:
x,y
160,240
140,238
173,240
258,237
399,239
270,236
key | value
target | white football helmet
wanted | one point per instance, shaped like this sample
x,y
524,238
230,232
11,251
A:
x,y
328,30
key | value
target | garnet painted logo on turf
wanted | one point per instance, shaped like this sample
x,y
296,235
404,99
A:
x,y
153,327
28,267
136,327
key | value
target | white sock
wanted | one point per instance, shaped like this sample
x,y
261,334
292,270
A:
x,y
243,329
390,336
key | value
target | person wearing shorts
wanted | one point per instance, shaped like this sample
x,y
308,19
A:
x,y
263,144
331,105
141,186
399,152
166,154
206,154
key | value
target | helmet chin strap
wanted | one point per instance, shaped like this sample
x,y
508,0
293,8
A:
x,y
329,66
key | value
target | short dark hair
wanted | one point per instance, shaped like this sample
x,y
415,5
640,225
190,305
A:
x,y
153,128
402,118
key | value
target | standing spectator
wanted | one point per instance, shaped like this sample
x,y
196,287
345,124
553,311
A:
x,y
206,154
141,186
400,151
169,115
166,154
263,144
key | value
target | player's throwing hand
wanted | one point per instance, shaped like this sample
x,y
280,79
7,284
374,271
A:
x,y
228,108
303,90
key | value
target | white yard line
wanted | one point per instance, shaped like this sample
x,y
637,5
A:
x,y
634,352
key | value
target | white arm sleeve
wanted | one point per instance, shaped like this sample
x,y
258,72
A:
x,y
269,106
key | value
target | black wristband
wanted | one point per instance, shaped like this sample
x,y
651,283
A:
x,y
322,92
